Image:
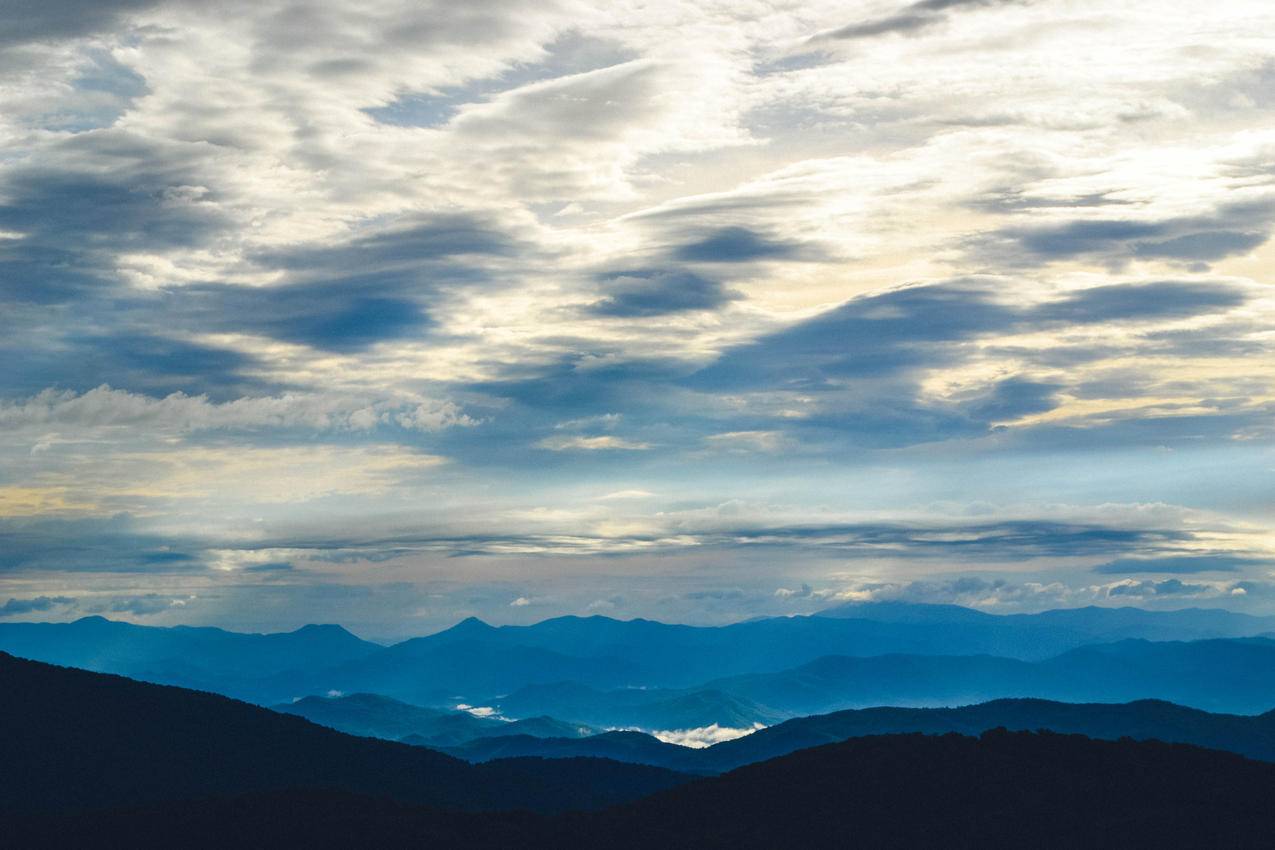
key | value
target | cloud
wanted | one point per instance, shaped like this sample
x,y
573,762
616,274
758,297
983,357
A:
x,y
18,607
27,21
1164,299
1168,587
117,194
704,736
1232,229
374,287
913,18
735,245
603,442
144,605
651,292
104,407
1183,564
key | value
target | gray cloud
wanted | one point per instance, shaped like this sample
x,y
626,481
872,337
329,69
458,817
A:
x,y
17,607
24,21
73,222
737,245
913,18
1190,240
1182,564
1168,587
657,292
143,605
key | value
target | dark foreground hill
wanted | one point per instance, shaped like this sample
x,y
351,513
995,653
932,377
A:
x,y
74,739
1005,789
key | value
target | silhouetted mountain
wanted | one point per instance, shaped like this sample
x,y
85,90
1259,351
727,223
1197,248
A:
x,y
632,747
1004,789
1252,736
381,717
75,739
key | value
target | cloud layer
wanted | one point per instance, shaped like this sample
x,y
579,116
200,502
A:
x,y
304,300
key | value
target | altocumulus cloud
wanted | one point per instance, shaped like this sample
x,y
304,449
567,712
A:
x,y
411,281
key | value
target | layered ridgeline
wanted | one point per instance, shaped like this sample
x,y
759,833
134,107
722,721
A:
x,y
381,717
607,673
1251,736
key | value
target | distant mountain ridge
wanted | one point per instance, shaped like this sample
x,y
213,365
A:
x,y
478,664
1233,675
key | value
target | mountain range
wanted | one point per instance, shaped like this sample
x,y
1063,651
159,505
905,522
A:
x,y
979,656
91,758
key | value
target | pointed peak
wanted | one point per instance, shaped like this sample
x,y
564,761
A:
x,y
468,626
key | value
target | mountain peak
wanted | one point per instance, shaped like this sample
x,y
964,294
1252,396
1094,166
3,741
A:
x,y
323,629
469,626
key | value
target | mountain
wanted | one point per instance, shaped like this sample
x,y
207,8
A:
x,y
625,746
1251,736
651,709
376,716
1233,675
425,671
199,657
1236,675
1003,789
75,739
475,663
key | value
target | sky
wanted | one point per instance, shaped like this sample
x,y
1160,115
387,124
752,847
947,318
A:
x,y
393,313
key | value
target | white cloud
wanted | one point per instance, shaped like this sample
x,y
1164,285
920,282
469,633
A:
x,y
104,408
704,736
591,444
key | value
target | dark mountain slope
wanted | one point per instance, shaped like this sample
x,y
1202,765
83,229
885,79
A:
x,y
631,747
76,739
1251,736
1005,789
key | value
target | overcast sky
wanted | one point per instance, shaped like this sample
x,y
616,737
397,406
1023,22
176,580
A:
x,y
389,313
